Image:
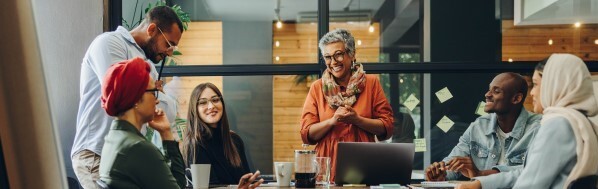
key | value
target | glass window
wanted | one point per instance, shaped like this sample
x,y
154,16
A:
x,y
553,28
383,29
246,32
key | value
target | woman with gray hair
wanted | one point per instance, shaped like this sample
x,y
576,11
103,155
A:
x,y
345,104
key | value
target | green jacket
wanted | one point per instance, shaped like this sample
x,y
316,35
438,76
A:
x,y
129,161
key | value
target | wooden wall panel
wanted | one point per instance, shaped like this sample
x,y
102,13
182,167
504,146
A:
x,y
530,43
298,44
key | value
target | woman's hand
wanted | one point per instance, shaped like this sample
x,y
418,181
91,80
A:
x,y
246,181
349,116
160,123
338,116
476,184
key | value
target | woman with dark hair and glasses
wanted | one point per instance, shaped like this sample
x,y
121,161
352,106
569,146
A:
x,y
345,104
128,160
209,140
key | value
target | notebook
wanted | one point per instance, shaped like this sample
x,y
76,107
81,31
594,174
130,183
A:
x,y
374,163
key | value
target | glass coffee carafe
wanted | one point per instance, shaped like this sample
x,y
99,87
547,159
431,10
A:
x,y
306,168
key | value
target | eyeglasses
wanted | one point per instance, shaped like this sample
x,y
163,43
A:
x,y
154,91
337,56
203,102
170,46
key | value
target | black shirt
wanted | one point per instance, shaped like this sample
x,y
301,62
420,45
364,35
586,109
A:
x,y
222,171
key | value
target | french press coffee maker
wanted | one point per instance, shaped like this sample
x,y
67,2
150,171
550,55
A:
x,y
306,168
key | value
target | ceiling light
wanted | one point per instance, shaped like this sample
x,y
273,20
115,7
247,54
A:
x,y
371,29
277,44
577,24
401,80
596,41
279,24
550,42
359,42
510,60
277,58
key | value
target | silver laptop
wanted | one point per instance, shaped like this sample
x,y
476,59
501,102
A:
x,y
374,163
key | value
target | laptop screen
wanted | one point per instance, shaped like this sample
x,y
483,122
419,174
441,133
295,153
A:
x,y
374,163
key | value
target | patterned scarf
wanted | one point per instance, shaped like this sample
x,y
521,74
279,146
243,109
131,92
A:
x,y
332,91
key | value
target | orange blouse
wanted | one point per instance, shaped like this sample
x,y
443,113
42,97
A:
x,y
371,103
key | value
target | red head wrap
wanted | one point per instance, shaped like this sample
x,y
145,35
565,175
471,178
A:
x,y
124,84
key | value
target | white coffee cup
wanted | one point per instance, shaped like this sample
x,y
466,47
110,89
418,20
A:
x,y
200,174
283,171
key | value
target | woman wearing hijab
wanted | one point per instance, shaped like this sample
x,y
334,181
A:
x,y
564,148
345,104
209,140
128,160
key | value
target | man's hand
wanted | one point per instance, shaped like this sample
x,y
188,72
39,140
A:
x,y
469,185
436,172
246,181
465,166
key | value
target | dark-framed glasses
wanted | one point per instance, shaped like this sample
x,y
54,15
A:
x,y
337,56
154,91
203,102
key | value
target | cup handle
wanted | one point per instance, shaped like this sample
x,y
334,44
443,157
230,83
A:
x,y
279,169
189,183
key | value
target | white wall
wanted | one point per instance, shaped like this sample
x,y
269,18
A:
x,y
65,28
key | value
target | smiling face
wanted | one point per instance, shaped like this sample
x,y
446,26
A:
x,y
535,93
338,60
500,96
210,107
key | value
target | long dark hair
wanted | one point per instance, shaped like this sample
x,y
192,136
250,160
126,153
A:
x,y
198,131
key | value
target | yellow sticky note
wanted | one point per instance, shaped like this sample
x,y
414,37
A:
x,y
480,110
420,144
411,102
445,124
444,94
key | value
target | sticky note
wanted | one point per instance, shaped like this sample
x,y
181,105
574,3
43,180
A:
x,y
411,102
420,144
445,124
444,94
480,110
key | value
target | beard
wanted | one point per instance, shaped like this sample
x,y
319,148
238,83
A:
x,y
151,51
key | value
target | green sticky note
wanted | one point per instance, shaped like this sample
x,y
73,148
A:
x,y
480,110
444,94
411,102
445,124
420,144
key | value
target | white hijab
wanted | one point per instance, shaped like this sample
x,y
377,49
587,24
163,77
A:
x,y
567,91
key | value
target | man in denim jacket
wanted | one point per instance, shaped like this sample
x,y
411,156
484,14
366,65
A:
x,y
496,142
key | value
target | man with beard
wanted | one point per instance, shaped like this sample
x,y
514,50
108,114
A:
x,y
496,142
154,39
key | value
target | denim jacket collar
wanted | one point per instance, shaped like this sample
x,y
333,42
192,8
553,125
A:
x,y
518,129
